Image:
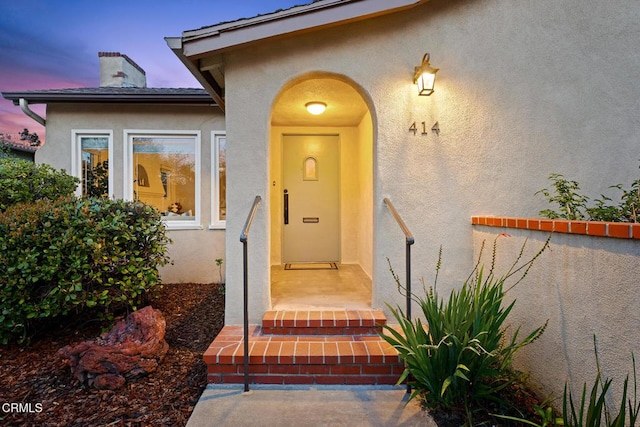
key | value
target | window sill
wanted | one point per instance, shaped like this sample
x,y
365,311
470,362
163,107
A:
x,y
217,227
178,227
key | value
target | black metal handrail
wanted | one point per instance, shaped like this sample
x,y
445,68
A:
x,y
409,240
244,237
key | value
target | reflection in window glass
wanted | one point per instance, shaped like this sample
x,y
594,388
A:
x,y
222,178
218,179
94,153
169,164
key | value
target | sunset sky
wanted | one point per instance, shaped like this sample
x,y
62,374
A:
x,y
52,44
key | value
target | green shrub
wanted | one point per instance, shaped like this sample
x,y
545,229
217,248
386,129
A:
x,y
22,181
565,194
462,357
630,202
573,206
73,255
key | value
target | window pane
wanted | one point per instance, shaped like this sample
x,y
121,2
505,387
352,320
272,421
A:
x,y
222,178
164,174
95,166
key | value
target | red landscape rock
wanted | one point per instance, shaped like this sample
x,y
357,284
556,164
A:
x,y
134,347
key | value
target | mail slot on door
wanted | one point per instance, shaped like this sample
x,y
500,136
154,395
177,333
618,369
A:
x,y
310,220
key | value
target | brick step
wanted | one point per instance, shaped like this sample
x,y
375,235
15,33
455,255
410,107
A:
x,y
302,359
332,322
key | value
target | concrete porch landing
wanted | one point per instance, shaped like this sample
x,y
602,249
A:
x,y
348,287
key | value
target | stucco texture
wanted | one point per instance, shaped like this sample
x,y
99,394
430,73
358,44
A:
x,y
583,286
524,89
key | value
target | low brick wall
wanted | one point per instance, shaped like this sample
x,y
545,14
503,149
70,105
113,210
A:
x,y
586,283
591,228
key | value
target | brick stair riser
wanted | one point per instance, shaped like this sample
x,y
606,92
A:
x,y
306,359
333,330
333,347
323,323
344,374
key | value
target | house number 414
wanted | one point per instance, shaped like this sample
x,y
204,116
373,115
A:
x,y
435,128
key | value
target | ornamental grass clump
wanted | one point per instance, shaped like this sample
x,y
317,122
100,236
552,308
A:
x,y
75,256
461,358
593,409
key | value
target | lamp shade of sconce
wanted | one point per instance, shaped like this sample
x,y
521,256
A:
x,y
316,108
425,77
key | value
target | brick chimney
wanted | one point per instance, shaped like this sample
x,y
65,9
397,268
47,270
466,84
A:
x,y
118,70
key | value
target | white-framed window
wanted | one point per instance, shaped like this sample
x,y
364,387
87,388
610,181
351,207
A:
x,y
218,179
162,169
91,156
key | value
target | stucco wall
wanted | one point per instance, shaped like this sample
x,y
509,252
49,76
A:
x,y
584,286
524,89
193,251
117,71
365,200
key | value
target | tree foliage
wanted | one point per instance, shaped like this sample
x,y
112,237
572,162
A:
x,y
25,137
31,138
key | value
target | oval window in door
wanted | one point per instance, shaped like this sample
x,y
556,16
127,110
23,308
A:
x,y
310,169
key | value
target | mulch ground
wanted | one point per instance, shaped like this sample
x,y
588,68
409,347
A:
x,y
35,375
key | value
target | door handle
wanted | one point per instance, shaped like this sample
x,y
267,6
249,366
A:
x,y
286,207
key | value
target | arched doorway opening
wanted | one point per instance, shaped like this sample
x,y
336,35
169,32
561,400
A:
x,y
321,173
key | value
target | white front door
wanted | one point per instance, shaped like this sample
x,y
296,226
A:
x,y
311,220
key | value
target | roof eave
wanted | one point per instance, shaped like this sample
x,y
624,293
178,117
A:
x,y
29,150
52,98
299,19
210,85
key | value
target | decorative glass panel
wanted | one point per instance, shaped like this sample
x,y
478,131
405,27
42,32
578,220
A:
x,y
310,169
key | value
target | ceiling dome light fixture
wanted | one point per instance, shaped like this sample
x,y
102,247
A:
x,y
316,108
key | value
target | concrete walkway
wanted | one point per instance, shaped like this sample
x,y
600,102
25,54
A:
x,y
272,406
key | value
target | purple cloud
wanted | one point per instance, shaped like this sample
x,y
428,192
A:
x,y
49,44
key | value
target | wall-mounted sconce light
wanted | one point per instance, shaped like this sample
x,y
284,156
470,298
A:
x,y
425,77
316,108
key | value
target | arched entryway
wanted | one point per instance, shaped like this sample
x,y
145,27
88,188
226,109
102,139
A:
x,y
321,172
